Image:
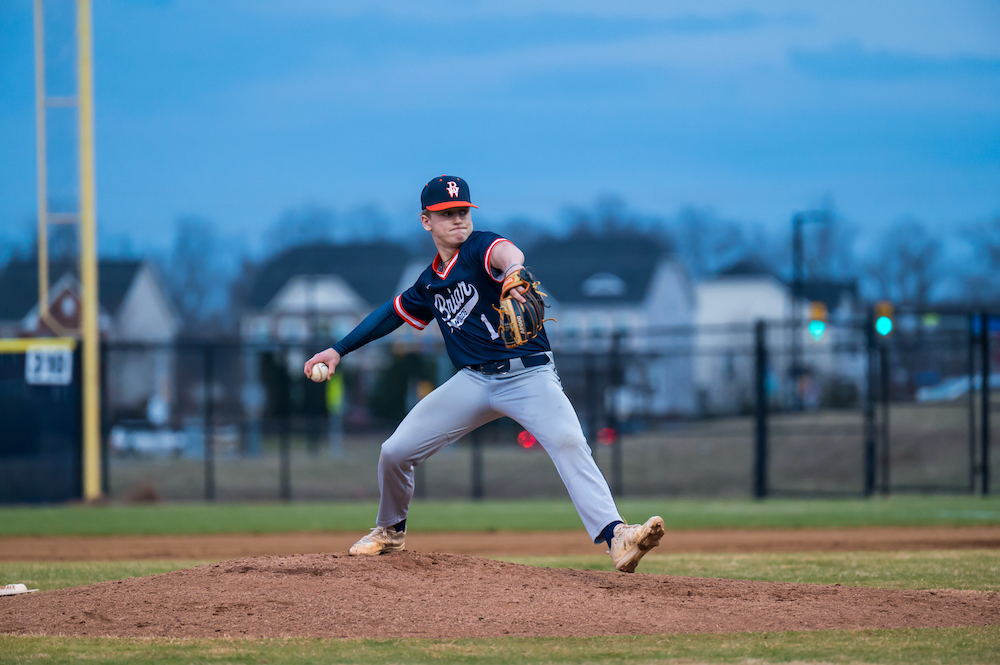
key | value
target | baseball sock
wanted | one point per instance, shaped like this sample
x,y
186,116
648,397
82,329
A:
x,y
400,527
609,532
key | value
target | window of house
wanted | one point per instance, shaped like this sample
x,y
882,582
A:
x,y
292,328
603,284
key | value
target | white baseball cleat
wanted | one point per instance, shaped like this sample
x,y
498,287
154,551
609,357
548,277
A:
x,y
381,539
632,541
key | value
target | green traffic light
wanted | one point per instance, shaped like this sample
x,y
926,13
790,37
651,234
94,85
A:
x,y
883,325
817,328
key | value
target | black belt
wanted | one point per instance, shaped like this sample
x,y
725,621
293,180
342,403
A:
x,y
503,366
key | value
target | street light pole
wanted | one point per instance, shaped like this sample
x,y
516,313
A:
x,y
797,369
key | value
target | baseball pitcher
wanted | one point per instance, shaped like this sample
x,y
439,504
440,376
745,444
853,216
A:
x,y
491,316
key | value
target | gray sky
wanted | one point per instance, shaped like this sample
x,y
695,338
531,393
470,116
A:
x,y
236,110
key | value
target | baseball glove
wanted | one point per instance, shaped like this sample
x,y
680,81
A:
x,y
520,322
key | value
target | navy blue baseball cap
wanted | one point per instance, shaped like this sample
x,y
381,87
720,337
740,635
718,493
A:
x,y
447,191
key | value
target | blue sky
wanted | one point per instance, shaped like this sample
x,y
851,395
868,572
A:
x,y
237,110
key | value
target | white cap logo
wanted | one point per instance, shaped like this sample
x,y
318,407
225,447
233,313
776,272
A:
x,y
452,189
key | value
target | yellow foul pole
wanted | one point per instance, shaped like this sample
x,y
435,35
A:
x,y
89,330
41,156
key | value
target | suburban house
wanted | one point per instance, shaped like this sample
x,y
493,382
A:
x,y
322,291
622,294
133,308
307,297
800,363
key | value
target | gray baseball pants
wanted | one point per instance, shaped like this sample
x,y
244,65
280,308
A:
x,y
534,398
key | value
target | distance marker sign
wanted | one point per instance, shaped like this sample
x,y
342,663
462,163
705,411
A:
x,y
48,366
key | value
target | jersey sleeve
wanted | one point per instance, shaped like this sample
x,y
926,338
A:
x,y
412,308
482,246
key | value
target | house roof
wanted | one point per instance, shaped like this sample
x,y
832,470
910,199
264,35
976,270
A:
x,y
828,292
372,270
750,266
596,269
19,284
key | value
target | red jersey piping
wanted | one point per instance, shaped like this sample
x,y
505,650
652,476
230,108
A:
x,y
447,269
486,260
406,316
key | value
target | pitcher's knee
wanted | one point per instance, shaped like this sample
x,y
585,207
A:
x,y
395,455
569,441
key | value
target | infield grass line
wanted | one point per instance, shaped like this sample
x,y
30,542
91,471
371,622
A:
x,y
48,575
974,570
525,515
965,646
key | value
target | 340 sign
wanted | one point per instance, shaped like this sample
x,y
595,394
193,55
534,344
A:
x,y
48,366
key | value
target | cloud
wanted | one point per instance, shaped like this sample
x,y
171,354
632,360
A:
x,y
688,14
849,61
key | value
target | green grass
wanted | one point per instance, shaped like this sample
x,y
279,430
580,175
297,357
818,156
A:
x,y
940,645
976,570
194,518
50,575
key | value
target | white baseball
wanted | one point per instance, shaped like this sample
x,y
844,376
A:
x,y
320,372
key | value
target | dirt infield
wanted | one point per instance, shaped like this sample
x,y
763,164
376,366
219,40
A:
x,y
413,594
555,543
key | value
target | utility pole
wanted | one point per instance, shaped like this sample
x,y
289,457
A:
x,y
797,369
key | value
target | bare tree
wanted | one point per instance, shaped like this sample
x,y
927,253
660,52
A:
x,y
524,231
195,271
706,244
981,278
300,226
19,241
905,267
828,247
608,214
368,222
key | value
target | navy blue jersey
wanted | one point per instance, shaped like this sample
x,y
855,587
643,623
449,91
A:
x,y
461,295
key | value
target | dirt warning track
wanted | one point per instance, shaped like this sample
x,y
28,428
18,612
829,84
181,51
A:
x,y
556,543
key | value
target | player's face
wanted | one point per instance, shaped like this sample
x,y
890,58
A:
x,y
450,227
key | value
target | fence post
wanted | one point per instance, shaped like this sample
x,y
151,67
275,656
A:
x,y
420,480
617,381
208,378
477,464
973,453
760,390
871,358
285,457
590,391
105,424
985,406
285,434
886,387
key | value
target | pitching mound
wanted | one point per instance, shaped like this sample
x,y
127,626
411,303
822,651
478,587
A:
x,y
410,594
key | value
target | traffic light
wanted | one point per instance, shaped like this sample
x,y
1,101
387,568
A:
x,y
817,319
883,317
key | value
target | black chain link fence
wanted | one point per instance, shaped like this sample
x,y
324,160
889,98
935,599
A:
x,y
725,411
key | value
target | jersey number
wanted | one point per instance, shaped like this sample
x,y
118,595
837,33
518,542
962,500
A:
x,y
493,333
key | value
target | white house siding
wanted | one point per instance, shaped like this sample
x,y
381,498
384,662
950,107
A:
x,y
145,313
669,313
324,302
727,309
135,377
660,376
